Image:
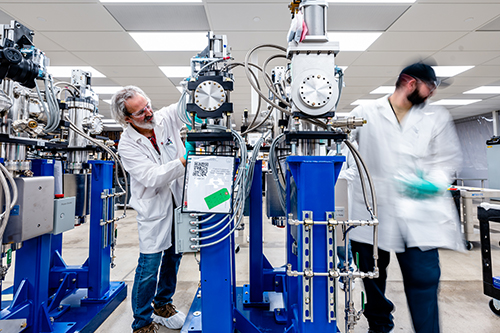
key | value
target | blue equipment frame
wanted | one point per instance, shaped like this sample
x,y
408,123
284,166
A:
x,y
55,297
221,307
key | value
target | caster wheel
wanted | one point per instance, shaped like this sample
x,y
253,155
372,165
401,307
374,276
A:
x,y
468,245
495,306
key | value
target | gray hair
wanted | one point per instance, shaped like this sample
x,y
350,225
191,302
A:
x,y
118,109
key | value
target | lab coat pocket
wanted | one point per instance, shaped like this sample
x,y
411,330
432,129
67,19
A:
x,y
151,208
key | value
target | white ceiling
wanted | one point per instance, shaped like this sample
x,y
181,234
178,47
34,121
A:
x,y
446,32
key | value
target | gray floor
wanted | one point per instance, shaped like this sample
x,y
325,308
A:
x,y
463,306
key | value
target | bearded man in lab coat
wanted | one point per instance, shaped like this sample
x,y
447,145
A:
x,y
155,157
411,150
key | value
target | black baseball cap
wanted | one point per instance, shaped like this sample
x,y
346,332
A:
x,y
422,72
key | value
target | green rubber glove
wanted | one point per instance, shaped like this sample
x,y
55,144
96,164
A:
x,y
190,149
420,188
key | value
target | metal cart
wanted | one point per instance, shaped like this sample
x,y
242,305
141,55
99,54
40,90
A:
x,y
491,284
470,198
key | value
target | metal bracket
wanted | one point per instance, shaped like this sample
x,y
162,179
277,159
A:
x,y
307,255
331,255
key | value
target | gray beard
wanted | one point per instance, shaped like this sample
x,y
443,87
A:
x,y
150,125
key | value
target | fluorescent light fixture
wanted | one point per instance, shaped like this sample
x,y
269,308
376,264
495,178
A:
x,y
342,114
371,1
449,71
146,1
353,41
384,90
171,41
176,71
362,101
105,90
65,71
107,101
456,101
484,90
181,90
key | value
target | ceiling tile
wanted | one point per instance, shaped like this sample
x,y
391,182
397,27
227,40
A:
x,y
394,58
94,41
4,17
251,16
482,71
143,82
160,17
175,58
130,71
463,58
373,71
415,41
363,17
110,58
476,41
439,17
63,58
63,16
46,44
494,25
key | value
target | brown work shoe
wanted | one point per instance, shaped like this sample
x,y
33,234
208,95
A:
x,y
166,311
151,328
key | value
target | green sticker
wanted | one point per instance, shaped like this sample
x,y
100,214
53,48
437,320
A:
x,y
217,198
9,256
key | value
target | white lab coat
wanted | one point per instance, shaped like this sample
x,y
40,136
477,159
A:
x,y
425,141
154,178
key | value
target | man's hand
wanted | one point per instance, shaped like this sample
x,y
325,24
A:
x,y
419,188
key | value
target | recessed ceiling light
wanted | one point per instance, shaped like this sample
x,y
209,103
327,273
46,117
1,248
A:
x,y
176,71
456,101
146,1
171,41
449,71
354,41
371,1
383,90
362,101
105,90
256,19
65,71
484,90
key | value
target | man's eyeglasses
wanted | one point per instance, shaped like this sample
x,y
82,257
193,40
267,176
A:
x,y
431,85
141,111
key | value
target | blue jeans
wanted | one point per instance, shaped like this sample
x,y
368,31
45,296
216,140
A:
x,y
421,274
147,287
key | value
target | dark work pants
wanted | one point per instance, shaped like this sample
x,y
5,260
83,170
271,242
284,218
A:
x,y
421,274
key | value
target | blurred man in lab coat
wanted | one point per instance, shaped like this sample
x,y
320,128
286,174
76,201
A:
x,y
155,157
411,150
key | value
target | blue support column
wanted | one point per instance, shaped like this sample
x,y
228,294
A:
x,y
256,248
314,178
217,287
99,254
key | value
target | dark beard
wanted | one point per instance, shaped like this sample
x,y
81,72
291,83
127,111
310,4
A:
x,y
415,98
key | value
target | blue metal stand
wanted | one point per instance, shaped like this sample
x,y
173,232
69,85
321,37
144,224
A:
x,y
81,297
311,190
311,184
